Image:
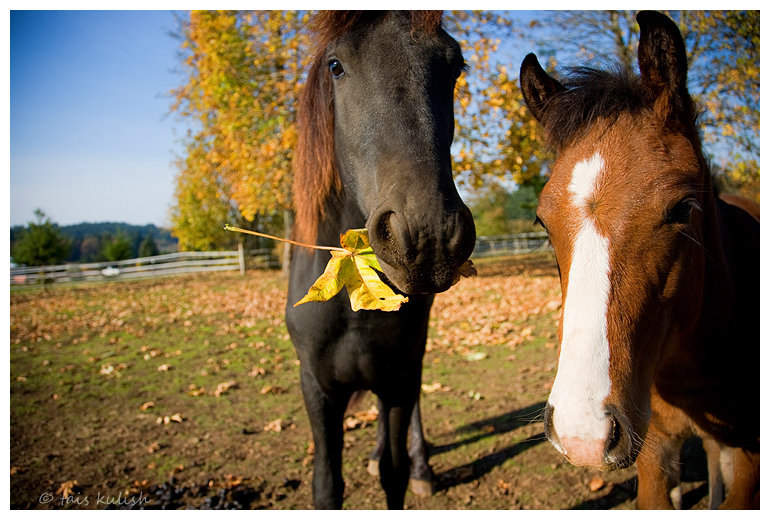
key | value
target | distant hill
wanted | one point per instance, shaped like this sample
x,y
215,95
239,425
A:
x,y
87,238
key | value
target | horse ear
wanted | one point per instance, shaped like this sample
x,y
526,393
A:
x,y
663,63
537,86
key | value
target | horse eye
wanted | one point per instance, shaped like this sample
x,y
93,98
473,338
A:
x,y
336,68
540,223
680,213
463,67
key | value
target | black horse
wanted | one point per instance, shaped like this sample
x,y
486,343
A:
x,y
375,125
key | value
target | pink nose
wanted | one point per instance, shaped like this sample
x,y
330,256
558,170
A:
x,y
582,452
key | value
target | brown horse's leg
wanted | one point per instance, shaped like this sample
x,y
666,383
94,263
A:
x,y
743,490
658,465
716,482
658,473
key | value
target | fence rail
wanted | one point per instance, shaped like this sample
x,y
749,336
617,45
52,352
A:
x,y
511,244
146,267
206,261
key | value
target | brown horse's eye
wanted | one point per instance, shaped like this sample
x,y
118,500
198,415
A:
x,y
681,211
336,68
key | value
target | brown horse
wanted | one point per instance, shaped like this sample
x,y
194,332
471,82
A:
x,y
659,333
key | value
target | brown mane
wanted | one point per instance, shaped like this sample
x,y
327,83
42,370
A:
x,y
316,177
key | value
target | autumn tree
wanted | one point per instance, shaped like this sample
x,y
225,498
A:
x,y
723,76
728,81
40,243
500,211
497,139
243,74
203,203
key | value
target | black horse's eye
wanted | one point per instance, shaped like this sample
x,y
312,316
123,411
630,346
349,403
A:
x,y
462,68
681,211
336,68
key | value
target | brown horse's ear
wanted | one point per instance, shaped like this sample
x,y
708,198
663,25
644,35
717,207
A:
x,y
663,65
537,86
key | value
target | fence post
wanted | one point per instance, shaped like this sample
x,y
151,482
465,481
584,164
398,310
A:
x,y
241,259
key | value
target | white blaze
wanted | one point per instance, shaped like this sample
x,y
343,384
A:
x,y
583,380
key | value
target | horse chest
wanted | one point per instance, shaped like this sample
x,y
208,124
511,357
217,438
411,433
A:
x,y
714,391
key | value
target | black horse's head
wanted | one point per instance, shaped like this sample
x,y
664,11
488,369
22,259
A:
x,y
390,78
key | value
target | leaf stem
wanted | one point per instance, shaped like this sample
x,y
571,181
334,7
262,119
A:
x,y
286,240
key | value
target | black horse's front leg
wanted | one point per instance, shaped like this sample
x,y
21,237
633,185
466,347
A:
x,y
394,462
420,474
326,415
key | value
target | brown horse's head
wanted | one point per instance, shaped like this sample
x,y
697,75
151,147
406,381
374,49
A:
x,y
624,207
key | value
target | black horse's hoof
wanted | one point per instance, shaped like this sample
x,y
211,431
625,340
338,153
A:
x,y
421,488
373,468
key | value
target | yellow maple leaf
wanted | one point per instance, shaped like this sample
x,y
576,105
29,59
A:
x,y
355,267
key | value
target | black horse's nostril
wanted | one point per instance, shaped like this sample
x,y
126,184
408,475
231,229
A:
x,y
463,237
619,449
384,237
382,228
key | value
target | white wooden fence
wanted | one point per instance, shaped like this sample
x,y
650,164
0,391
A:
x,y
511,244
196,262
147,267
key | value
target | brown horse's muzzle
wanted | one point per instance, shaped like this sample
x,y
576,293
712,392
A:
x,y
613,450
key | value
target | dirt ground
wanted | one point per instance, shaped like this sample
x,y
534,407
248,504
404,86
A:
x,y
183,393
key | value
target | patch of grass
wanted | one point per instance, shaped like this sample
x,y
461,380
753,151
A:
x,y
99,373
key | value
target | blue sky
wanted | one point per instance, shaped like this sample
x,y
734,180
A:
x,y
91,138
90,135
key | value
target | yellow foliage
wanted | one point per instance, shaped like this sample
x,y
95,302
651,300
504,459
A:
x,y
241,90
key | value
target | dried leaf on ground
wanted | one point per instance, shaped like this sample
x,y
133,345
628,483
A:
x,y
275,426
434,387
596,484
167,419
475,355
68,488
232,481
271,389
360,419
223,388
195,391
257,371
112,370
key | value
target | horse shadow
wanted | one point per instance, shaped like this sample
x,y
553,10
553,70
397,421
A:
x,y
694,470
497,425
693,459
